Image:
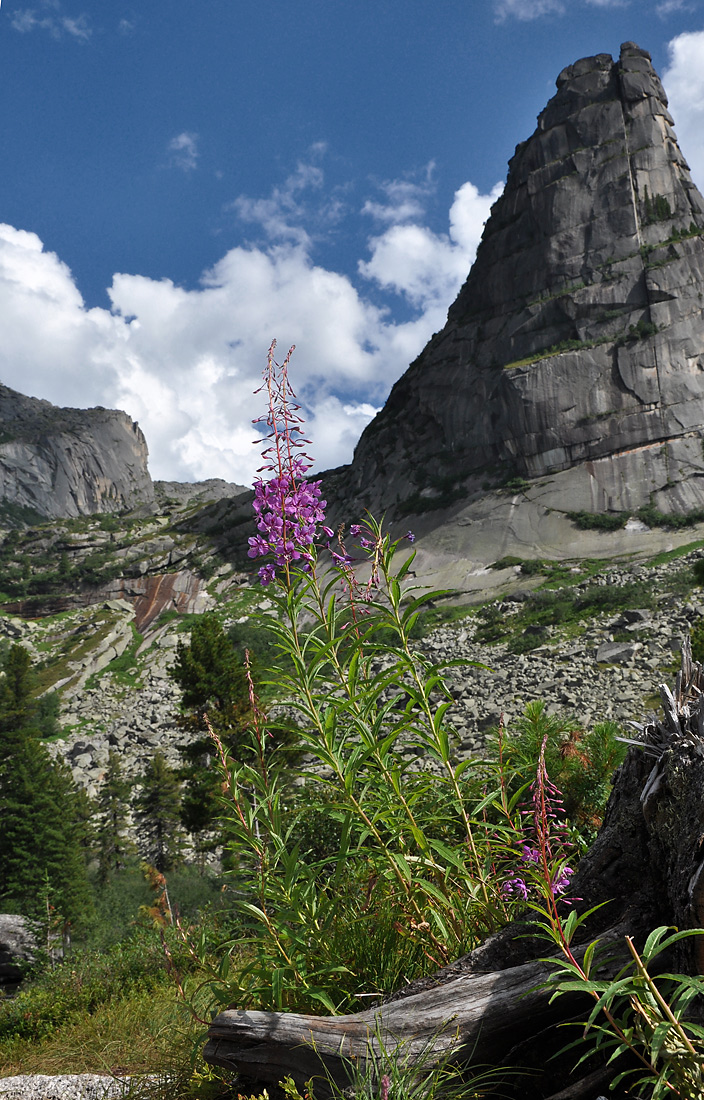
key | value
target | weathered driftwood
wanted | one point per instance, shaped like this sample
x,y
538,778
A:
x,y
475,1017
647,863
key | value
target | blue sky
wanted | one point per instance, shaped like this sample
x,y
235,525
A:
x,y
183,182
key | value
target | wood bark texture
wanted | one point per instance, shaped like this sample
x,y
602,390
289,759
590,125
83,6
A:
x,y
647,864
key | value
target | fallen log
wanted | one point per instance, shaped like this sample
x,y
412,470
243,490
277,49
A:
x,y
475,1017
647,864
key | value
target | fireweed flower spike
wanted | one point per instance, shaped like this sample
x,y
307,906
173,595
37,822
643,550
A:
x,y
544,842
287,507
516,886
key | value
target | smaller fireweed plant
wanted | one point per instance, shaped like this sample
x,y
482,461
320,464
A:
x,y
411,884
544,844
633,1013
580,761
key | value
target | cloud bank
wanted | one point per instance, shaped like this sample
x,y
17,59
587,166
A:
x,y
684,84
185,362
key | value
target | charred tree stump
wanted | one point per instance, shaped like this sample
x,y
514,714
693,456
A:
x,y
647,863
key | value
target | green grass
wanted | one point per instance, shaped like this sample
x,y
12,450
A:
x,y
122,669
672,555
558,607
112,1006
141,1032
82,983
557,574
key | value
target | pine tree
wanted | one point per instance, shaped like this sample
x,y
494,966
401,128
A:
x,y
157,809
212,677
114,846
42,832
213,683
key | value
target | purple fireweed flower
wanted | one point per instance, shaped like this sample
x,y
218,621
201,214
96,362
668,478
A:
x,y
560,882
515,886
545,838
288,508
354,530
340,557
410,536
385,1086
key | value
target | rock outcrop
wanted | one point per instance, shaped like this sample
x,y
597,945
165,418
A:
x,y
577,341
67,1086
17,950
69,462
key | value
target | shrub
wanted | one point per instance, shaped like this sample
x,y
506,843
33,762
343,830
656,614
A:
x,y
599,521
580,761
653,517
86,980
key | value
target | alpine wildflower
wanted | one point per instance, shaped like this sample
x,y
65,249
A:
x,y
288,508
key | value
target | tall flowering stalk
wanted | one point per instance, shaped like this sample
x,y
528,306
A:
x,y
288,508
373,718
544,844
639,1020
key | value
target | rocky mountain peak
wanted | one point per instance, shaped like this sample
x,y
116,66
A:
x,y
68,462
577,341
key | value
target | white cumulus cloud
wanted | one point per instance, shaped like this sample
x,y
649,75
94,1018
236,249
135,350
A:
x,y
684,84
426,267
185,362
526,10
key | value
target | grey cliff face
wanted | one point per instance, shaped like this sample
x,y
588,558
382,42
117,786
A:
x,y
577,340
70,462
17,949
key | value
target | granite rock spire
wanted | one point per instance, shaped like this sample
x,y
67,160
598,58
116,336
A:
x,y
577,341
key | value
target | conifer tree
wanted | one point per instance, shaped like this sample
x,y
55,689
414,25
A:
x,y
158,809
41,835
212,677
213,680
213,683
114,846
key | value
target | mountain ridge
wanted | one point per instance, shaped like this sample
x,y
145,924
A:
x,y
577,340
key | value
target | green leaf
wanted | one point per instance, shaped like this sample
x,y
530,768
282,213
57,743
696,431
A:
x,y
654,944
403,569
277,987
401,862
658,1038
451,857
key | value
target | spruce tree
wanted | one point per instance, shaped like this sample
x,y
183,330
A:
x,y
213,680
212,677
213,683
114,846
157,809
42,832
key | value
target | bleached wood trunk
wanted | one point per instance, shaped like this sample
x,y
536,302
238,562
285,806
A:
x,y
647,863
